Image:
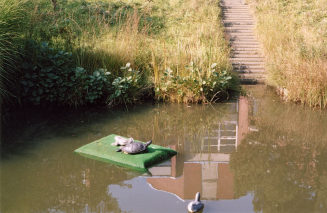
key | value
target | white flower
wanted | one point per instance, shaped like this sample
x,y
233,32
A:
x,y
130,69
213,65
168,70
107,73
128,64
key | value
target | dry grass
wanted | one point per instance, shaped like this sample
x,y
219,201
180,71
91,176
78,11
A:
x,y
192,34
294,35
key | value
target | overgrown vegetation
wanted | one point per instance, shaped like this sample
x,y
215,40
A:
x,y
294,34
12,16
75,52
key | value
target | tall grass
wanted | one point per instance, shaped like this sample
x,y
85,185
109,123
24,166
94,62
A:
x,y
294,34
12,14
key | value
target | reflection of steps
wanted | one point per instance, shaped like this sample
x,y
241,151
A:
x,y
223,140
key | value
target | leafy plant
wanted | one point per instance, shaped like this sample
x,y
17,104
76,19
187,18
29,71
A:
x,y
132,86
197,86
49,76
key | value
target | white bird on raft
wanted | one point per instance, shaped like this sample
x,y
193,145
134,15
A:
x,y
120,141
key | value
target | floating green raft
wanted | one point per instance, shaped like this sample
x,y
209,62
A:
x,y
102,150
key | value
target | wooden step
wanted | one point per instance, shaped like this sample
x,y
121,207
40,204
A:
x,y
237,15
241,43
252,55
244,52
247,71
243,40
240,27
252,75
248,64
251,81
245,48
248,60
246,56
237,23
239,30
237,47
236,19
249,67
231,24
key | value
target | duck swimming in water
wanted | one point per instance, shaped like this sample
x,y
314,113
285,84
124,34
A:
x,y
120,141
196,205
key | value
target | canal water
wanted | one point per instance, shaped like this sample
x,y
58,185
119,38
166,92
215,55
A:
x,y
254,154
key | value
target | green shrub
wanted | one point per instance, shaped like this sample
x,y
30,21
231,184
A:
x,y
49,76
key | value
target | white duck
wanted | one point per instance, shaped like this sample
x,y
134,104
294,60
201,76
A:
x,y
196,205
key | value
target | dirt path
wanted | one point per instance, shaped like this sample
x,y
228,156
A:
x,y
246,56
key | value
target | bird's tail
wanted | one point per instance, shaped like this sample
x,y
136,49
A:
x,y
148,143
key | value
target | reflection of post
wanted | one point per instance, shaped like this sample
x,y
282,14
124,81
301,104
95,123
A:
x,y
173,162
243,118
225,182
0,118
86,178
192,179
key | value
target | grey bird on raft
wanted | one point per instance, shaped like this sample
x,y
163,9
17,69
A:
x,y
196,205
134,148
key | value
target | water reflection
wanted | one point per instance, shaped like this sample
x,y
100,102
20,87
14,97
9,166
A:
x,y
256,154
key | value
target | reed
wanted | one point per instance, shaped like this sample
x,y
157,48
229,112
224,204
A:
x,y
12,14
294,37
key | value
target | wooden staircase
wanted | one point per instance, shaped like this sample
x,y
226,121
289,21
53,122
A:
x,y
246,56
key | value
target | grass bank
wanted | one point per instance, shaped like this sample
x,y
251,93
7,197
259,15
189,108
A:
x,y
294,36
87,51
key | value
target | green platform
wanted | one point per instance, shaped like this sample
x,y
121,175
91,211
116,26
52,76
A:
x,y
103,150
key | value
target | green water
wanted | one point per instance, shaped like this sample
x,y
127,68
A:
x,y
253,155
